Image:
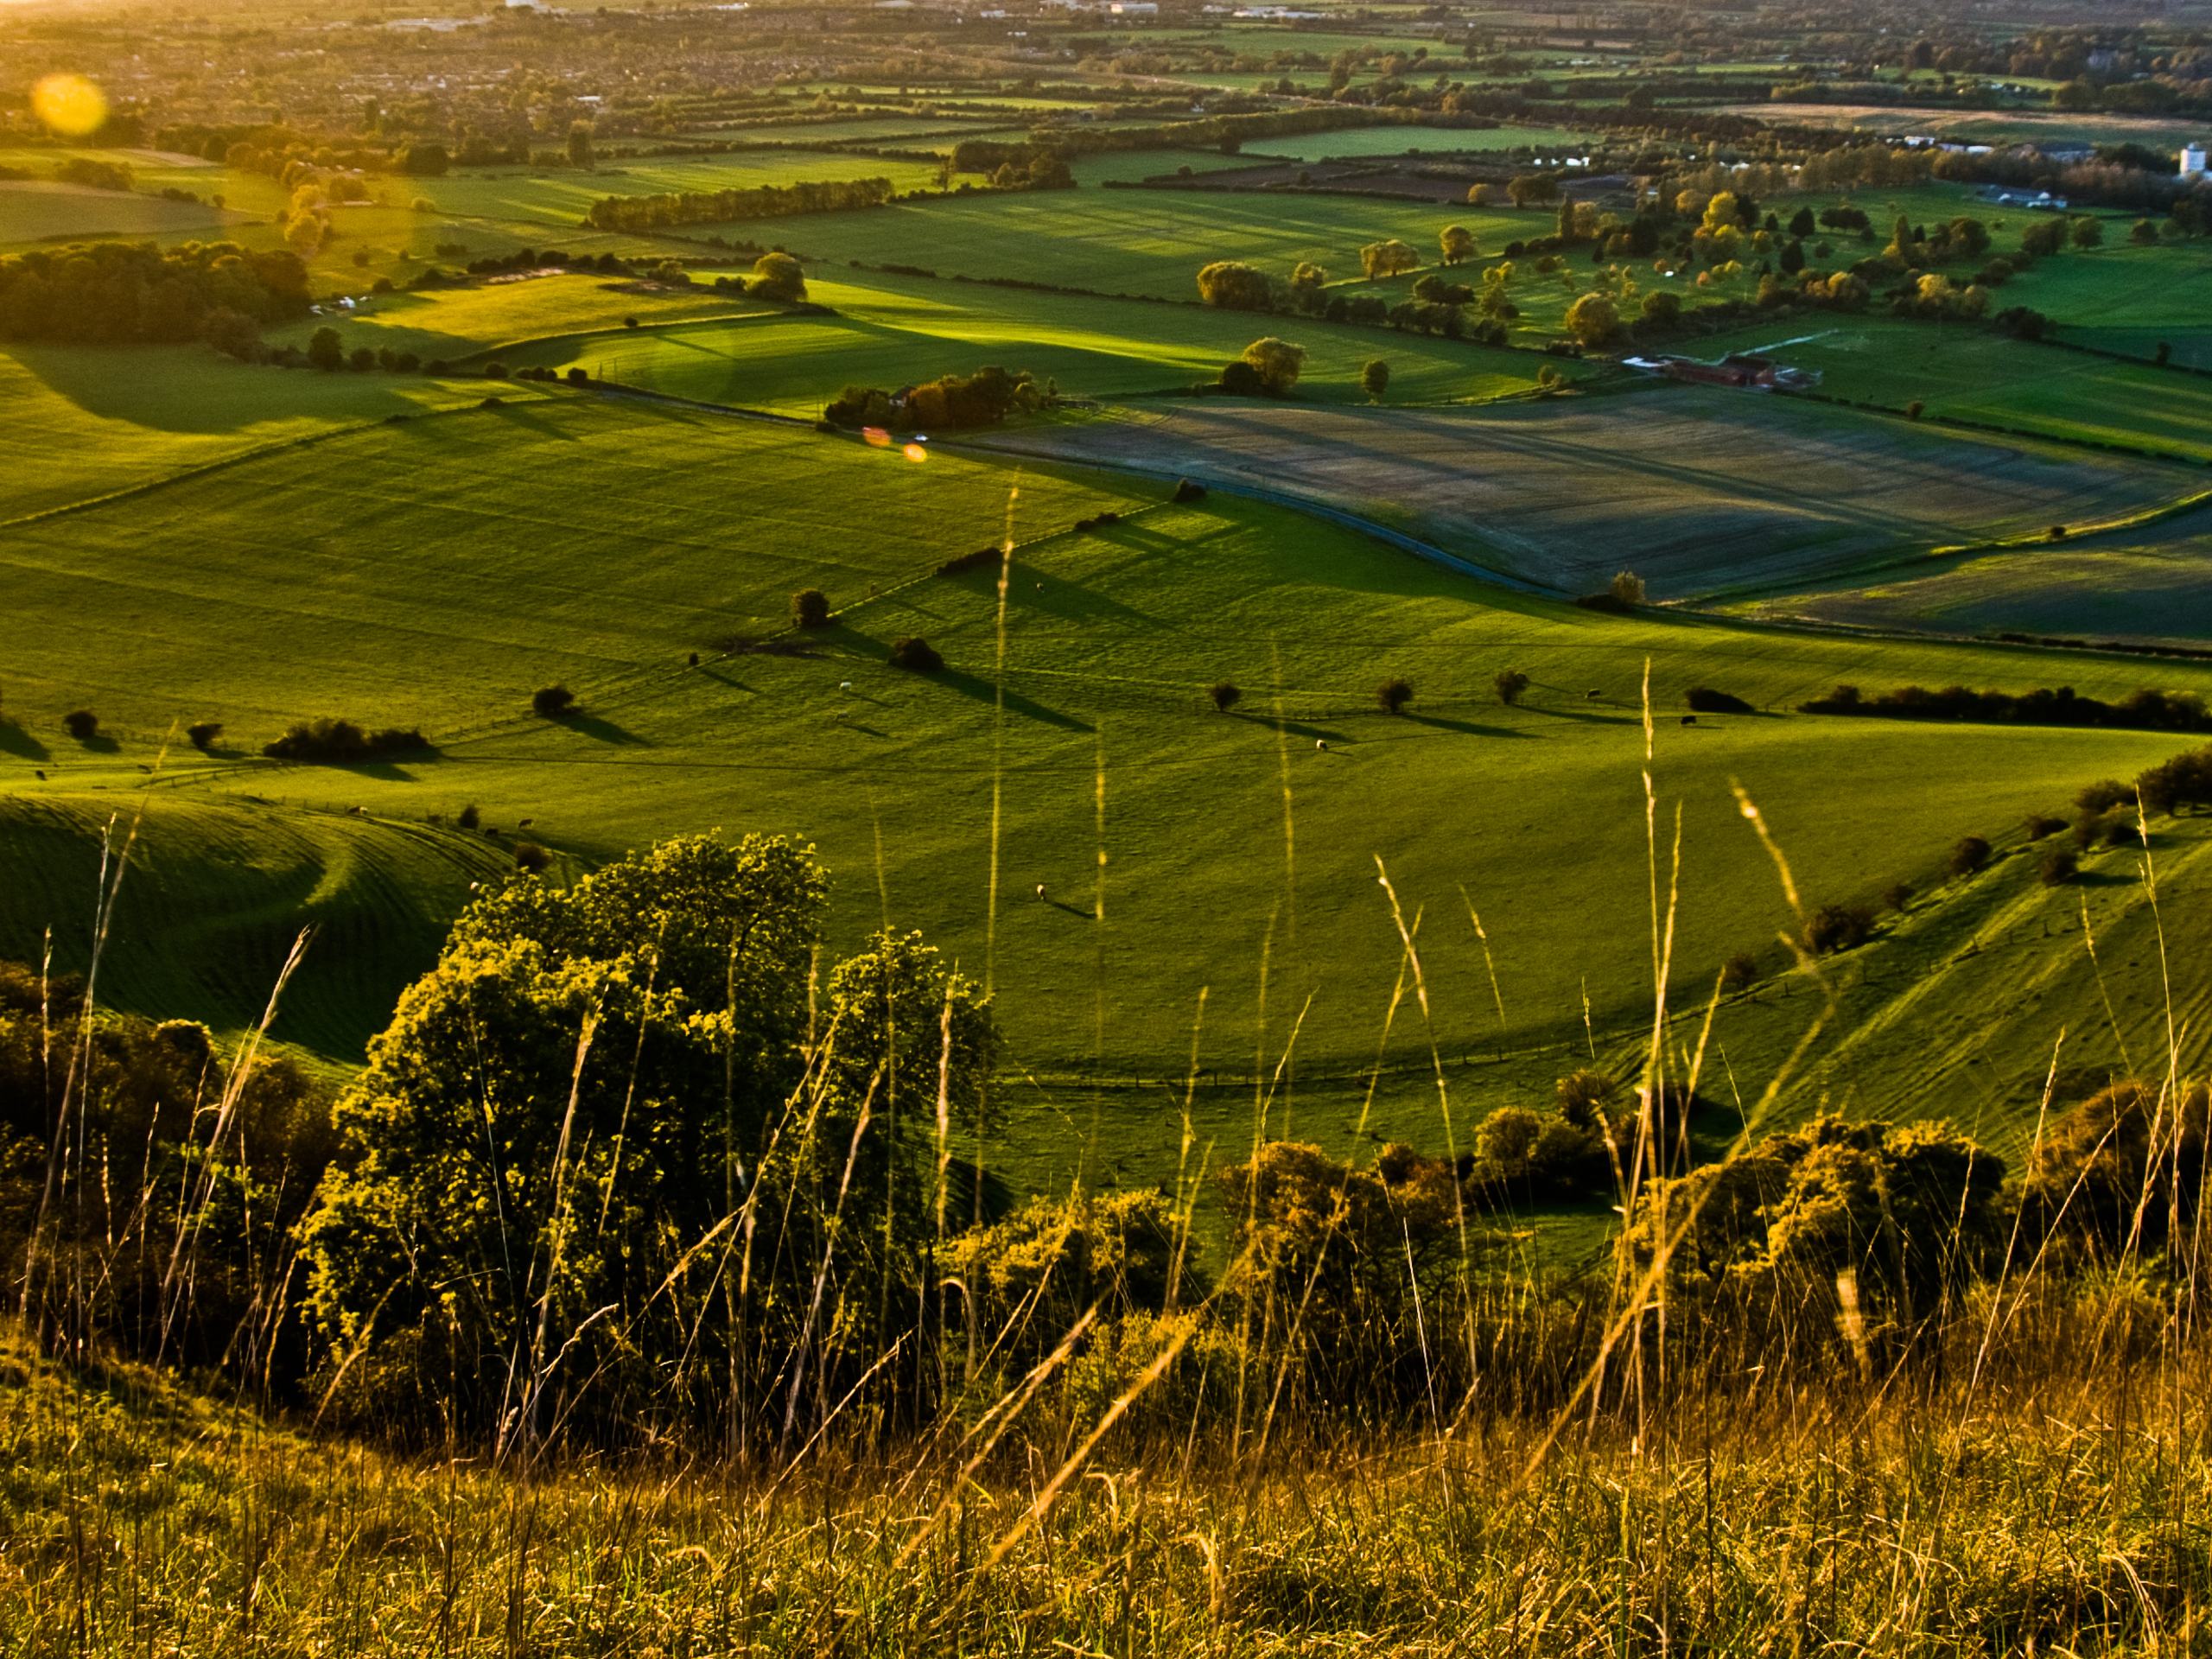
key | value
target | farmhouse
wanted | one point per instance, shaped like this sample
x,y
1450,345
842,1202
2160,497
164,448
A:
x,y
2192,161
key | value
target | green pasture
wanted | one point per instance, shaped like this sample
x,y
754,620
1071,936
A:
x,y
891,331
1386,141
1976,374
434,571
2127,299
560,197
40,210
501,312
77,421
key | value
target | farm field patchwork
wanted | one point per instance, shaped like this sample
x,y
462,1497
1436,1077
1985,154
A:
x,y
1705,491
892,332
40,210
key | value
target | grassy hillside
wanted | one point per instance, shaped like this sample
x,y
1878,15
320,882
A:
x,y
545,543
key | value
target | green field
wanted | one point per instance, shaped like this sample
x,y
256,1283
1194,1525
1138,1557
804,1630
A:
x,y
1384,141
77,421
34,210
891,331
1976,375
437,570
486,315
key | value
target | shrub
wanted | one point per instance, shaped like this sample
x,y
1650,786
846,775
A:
x,y
1915,409
2059,866
1277,362
1187,492
2116,828
2042,825
2185,781
340,742
1626,589
1374,377
810,608
1510,684
1970,854
82,724
1704,699
531,858
578,376
913,651
1393,694
1838,927
495,371
2103,796
553,702
202,734
1739,971
1241,379
1225,697
469,816
1897,895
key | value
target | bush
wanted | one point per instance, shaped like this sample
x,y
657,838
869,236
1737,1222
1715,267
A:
x,y
1626,589
2040,825
1225,697
1704,699
531,858
1187,492
202,734
1393,694
495,371
915,652
553,702
1897,895
340,742
2103,796
1838,927
1740,972
1241,379
1510,684
2059,866
1970,854
469,816
578,376
810,608
82,724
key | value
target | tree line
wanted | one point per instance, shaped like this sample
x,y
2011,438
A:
x,y
639,214
116,292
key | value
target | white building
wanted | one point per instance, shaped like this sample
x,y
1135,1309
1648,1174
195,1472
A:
x,y
2192,161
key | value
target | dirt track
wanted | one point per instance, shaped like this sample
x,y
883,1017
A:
x,y
1699,493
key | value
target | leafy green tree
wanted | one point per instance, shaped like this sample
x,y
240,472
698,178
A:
x,y
580,144
1594,320
1375,378
1235,286
1510,684
1278,363
1388,257
810,608
777,276
326,351
1458,243
612,1162
2087,233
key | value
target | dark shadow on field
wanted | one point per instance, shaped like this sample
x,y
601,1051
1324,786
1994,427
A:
x,y
866,731
523,416
15,741
603,730
972,686
1083,911
1070,600
721,675
1294,727
99,743
109,382
1586,716
1446,723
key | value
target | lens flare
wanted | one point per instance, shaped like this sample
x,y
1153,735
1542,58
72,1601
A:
x,y
69,105
916,452
876,437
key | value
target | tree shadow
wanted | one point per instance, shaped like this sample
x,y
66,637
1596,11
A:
x,y
521,414
981,690
99,743
1472,728
1294,728
15,741
1585,716
1082,910
603,730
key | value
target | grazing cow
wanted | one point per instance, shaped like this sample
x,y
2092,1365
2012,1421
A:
x,y
1321,742
1593,695
1040,891
524,824
844,685
1689,720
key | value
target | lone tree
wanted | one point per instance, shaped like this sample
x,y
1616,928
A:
x,y
917,653
553,702
1375,378
1511,684
1393,694
1626,588
1388,258
202,734
810,608
1235,286
1225,696
580,149
82,724
326,351
1594,320
777,277
1458,243
1969,855
1277,362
